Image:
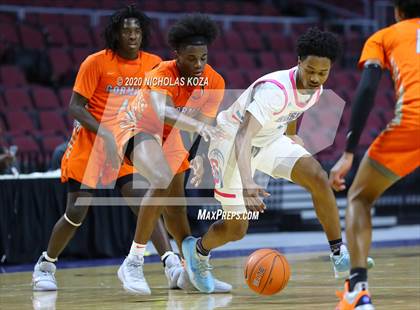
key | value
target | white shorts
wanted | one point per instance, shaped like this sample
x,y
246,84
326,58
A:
x,y
276,159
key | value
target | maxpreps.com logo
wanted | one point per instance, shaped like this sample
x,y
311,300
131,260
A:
x,y
217,162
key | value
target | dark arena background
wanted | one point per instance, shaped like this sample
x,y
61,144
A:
x,y
43,43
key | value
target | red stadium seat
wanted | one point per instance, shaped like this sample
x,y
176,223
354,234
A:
x,y
97,36
60,61
45,98
8,17
12,76
56,36
243,27
155,40
31,37
80,54
244,60
218,44
52,121
45,18
25,144
65,95
233,41
49,143
253,40
255,74
19,121
80,35
17,98
2,104
279,42
249,8
270,27
9,33
80,20
173,6
235,79
288,60
212,7
230,8
269,60
221,60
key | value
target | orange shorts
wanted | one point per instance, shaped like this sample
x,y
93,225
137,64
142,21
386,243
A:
x,y
397,148
175,152
84,160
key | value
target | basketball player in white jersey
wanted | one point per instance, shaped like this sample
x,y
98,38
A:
x,y
263,120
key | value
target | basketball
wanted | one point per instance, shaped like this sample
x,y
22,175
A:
x,y
266,272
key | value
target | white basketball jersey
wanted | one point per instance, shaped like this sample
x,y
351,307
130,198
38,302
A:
x,y
274,101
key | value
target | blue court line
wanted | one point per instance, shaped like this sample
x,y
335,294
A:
x,y
64,264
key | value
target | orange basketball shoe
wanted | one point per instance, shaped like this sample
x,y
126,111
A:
x,y
359,299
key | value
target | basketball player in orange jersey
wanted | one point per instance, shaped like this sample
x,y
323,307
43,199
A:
x,y
194,88
394,153
102,75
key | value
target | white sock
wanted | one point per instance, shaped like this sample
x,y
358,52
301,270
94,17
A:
x,y
166,254
49,259
137,250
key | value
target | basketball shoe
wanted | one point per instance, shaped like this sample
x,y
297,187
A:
x,y
341,263
173,269
197,266
185,284
359,299
43,278
131,275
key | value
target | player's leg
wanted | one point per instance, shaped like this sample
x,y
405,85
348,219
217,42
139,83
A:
x,y
369,183
176,220
285,159
63,231
308,173
196,251
147,156
160,239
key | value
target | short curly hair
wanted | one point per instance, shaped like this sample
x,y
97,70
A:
x,y
192,25
114,24
315,42
410,8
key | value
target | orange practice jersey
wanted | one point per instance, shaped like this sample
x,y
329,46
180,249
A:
x,y
191,96
398,49
108,82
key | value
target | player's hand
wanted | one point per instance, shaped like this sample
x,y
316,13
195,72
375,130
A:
x,y
339,171
253,196
197,166
209,132
111,149
296,139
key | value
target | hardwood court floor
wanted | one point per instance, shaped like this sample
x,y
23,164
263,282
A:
x,y
395,284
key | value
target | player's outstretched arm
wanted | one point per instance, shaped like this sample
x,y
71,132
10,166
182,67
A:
x,y
362,105
164,107
252,192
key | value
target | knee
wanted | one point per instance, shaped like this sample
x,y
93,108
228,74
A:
x,y
356,197
317,178
161,179
237,229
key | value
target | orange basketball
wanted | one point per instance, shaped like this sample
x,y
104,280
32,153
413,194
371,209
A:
x,y
266,272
